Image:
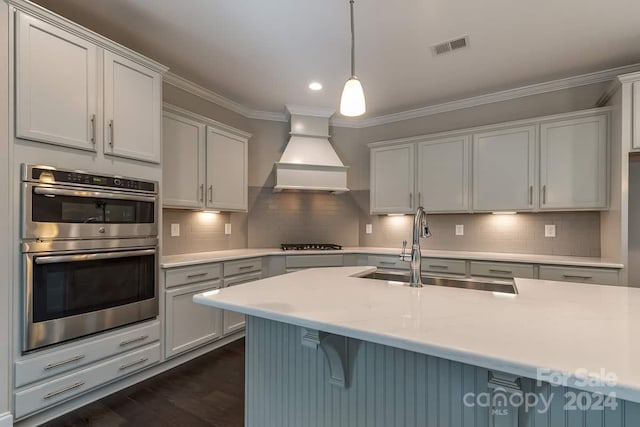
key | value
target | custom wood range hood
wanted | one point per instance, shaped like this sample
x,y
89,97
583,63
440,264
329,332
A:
x,y
309,162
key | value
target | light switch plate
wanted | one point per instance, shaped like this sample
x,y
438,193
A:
x,y
459,229
175,230
368,228
227,229
549,230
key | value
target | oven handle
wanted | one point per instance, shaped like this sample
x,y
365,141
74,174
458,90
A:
x,y
91,257
46,191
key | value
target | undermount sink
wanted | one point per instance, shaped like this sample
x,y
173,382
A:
x,y
502,286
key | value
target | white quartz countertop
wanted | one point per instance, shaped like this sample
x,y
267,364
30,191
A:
x,y
569,328
171,261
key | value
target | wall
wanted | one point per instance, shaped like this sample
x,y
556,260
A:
x,y
304,217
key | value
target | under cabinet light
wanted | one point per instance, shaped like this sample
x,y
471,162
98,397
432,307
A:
x,y
504,213
396,214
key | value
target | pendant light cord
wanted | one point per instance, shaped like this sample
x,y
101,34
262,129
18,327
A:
x,y
353,43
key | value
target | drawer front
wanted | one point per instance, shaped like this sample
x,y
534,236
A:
x,y
233,268
36,398
51,363
192,274
501,269
601,276
393,262
245,278
311,261
444,266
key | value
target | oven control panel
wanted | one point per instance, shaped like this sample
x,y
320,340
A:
x,y
50,175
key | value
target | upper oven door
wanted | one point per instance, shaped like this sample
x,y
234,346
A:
x,y
65,212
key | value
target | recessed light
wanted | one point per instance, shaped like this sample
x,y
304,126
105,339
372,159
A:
x,y
315,86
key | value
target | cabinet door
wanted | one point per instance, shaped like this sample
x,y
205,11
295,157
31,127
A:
x,y
132,103
573,163
183,145
227,176
443,174
392,179
189,325
56,85
636,115
504,169
233,321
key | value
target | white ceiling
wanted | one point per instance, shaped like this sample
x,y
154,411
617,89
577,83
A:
x,y
263,53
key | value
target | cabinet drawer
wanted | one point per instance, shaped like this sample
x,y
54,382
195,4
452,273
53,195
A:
x,y
52,392
50,363
242,266
193,274
501,269
445,266
310,261
601,276
393,262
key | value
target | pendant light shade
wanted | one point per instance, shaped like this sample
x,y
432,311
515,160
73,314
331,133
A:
x,y
352,102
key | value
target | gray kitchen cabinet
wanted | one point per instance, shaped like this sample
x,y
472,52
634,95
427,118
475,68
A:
x,y
438,266
600,276
183,161
636,115
55,104
205,163
300,262
501,270
190,325
227,171
504,164
443,174
392,179
232,321
388,262
132,109
573,163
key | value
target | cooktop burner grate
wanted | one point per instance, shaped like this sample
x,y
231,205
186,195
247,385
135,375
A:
x,y
310,247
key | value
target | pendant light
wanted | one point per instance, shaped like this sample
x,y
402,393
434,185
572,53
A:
x,y
352,103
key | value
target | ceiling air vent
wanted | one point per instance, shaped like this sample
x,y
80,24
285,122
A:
x,y
450,45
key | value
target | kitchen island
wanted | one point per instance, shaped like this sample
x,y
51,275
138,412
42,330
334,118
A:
x,y
328,347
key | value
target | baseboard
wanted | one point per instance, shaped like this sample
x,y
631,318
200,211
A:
x,y
6,419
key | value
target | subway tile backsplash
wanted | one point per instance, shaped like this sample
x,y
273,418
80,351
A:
x,y
292,217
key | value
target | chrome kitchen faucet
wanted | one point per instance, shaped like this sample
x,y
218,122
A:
x,y
420,229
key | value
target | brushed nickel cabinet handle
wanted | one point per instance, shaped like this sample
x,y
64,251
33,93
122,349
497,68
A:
x,y
92,124
443,267
191,276
544,194
202,192
419,198
110,129
133,340
575,276
245,267
63,390
410,200
531,194
500,271
132,364
210,193
64,362
387,263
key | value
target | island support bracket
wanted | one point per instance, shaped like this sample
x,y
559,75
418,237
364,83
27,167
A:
x,y
339,352
506,399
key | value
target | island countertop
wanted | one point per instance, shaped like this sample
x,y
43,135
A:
x,y
567,328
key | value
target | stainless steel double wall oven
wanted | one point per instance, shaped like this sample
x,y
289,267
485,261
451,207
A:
x,y
90,253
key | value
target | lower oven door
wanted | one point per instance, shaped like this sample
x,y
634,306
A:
x,y
70,295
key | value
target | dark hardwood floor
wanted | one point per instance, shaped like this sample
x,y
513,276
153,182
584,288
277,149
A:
x,y
207,391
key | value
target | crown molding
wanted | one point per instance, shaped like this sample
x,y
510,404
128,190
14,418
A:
x,y
505,95
301,110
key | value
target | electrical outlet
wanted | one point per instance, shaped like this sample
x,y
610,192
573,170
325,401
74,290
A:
x,y
227,229
368,228
459,230
549,230
175,230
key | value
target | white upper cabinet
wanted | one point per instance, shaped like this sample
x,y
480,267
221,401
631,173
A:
x,y
56,85
183,156
392,179
227,177
573,163
504,169
636,115
443,174
132,109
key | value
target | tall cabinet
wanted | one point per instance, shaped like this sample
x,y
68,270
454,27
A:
x,y
205,163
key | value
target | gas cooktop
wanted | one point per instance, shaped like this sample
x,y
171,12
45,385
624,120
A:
x,y
310,247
